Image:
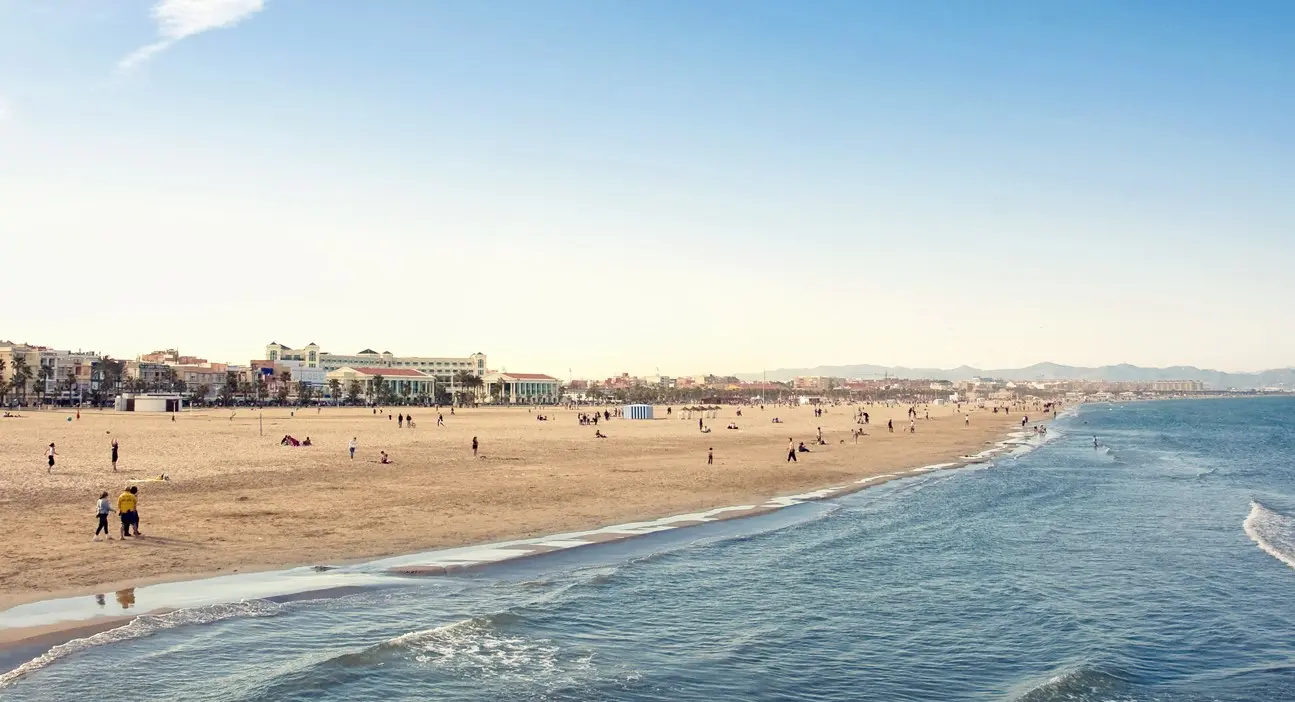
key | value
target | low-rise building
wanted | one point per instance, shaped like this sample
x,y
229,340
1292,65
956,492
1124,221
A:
x,y
522,388
402,382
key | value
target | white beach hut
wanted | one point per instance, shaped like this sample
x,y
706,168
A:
x,y
638,411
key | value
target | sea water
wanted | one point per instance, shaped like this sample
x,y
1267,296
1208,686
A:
x,y
1158,565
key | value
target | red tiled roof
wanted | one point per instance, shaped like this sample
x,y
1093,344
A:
x,y
389,372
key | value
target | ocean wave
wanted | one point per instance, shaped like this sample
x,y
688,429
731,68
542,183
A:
x,y
141,626
1080,685
477,650
1273,532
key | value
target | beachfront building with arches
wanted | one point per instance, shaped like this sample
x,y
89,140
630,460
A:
x,y
401,382
522,388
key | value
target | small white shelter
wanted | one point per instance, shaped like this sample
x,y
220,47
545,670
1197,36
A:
x,y
637,411
148,402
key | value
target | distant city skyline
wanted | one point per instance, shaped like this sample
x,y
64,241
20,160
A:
x,y
718,186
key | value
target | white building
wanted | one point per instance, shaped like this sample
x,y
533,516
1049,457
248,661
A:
x,y
523,388
442,368
148,402
404,383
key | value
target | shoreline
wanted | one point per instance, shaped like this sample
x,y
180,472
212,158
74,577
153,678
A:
x,y
432,563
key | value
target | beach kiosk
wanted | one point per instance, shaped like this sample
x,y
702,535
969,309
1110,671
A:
x,y
148,402
637,411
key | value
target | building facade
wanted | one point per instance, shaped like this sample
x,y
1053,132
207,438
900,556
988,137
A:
x,y
402,382
522,388
443,368
1177,386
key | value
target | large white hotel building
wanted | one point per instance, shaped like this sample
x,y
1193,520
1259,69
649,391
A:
x,y
310,356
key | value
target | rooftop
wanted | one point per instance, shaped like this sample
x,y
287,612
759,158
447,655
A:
x,y
392,372
528,376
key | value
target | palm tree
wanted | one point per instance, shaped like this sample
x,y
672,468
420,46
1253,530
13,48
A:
x,y
42,382
304,392
21,375
200,393
376,388
469,382
4,384
72,385
110,374
353,392
335,390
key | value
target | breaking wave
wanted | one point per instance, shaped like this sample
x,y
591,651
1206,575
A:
x,y
141,626
1271,531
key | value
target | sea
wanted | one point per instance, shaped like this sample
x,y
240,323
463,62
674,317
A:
x,y
1145,552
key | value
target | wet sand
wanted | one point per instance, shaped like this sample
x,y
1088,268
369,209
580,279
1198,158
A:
x,y
237,501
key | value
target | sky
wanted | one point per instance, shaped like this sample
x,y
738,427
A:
x,y
685,185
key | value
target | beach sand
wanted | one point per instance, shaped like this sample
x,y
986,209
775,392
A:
x,y
238,501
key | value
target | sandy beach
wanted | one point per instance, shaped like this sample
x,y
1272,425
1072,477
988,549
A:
x,y
236,500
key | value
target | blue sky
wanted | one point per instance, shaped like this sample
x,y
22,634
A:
x,y
695,186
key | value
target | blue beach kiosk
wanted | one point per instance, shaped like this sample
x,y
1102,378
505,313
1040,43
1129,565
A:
x,y
637,412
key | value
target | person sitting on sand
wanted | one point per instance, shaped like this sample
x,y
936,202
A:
x,y
731,426
384,458
306,442
598,434
801,448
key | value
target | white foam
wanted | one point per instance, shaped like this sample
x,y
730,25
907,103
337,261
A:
x,y
144,625
1272,532
564,543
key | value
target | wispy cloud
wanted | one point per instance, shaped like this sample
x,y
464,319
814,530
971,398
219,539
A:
x,y
179,19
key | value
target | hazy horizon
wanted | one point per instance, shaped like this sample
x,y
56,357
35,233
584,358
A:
x,y
714,186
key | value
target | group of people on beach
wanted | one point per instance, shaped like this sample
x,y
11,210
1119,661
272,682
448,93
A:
x,y
127,508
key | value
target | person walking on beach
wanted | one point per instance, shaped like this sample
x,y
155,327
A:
x,y
440,420
400,422
710,456
126,503
50,453
791,451
474,447
699,425
114,456
890,425
102,510
912,426
351,446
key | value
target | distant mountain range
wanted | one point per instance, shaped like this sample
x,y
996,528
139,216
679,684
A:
x,y
1214,380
